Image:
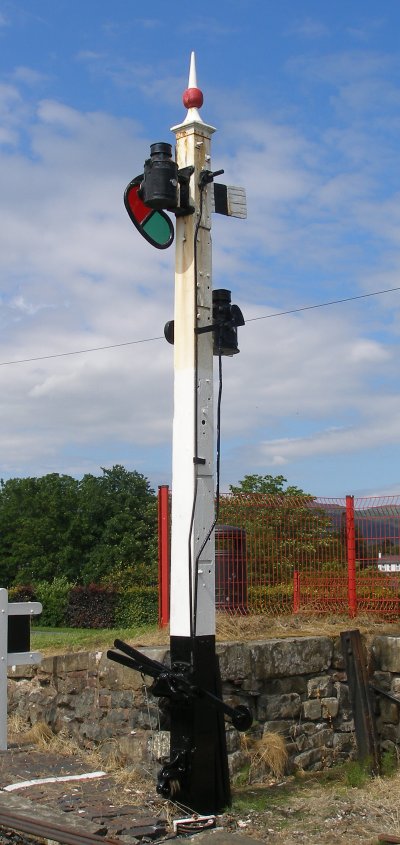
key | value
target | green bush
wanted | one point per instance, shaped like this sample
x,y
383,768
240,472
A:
x,y
137,606
22,592
136,575
54,596
91,607
265,599
95,606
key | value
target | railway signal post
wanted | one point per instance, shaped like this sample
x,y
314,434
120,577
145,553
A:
x,y
197,732
205,324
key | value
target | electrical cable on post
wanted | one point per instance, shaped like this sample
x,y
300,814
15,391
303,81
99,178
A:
x,y
218,471
192,601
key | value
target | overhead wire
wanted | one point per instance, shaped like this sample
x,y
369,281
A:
x,y
161,337
321,304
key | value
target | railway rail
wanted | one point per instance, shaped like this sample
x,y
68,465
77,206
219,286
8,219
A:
x,y
46,830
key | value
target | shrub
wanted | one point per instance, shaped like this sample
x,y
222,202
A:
x,y
91,607
22,592
136,575
274,598
54,597
137,606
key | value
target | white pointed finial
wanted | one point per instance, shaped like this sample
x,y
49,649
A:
x,y
193,100
193,97
192,71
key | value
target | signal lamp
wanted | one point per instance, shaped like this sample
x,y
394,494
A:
x,y
169,331
159,188
226,319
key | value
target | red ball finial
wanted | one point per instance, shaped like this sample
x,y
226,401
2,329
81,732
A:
x,y
193,98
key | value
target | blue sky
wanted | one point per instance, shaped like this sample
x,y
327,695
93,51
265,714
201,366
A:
x,y
306,100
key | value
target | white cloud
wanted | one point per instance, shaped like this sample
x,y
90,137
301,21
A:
x,y
75,274
20,304
382,428
28,76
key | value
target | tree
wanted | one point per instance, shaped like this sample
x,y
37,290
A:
x,y
56,525
35,528
272,484
125,507
286,529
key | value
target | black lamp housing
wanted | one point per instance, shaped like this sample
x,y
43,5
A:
x,y
164,186
159,188
226,319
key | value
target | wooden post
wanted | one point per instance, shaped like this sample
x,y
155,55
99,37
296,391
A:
x,y
196,774
198,744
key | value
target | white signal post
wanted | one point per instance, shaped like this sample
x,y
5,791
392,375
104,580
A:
x,y
7,659
197,771
193,604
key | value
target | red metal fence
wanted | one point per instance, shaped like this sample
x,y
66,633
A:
x,y
285,554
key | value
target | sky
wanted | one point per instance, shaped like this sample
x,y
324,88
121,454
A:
x,y
305,97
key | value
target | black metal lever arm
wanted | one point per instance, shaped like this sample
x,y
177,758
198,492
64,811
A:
x,y
131,663
174,684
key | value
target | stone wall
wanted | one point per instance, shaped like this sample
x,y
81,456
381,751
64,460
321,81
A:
x,y
296,687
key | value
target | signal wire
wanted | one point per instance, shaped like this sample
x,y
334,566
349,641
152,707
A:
x,y
161,337
322,304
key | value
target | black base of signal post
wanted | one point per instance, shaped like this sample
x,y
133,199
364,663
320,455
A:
x,y
196,775
197,731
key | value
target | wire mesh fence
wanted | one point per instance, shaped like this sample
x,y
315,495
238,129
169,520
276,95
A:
x,y
279,554
301,553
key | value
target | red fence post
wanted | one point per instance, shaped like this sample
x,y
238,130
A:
x,y
351,556
296,591
163,555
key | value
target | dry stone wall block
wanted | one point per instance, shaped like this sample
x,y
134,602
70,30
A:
x,y
320,687
312,709
386,652
329,707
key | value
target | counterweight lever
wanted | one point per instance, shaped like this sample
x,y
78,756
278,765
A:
x,y
175,683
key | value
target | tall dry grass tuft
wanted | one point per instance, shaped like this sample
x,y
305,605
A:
x,y
266,757
16,725
269,757
40,735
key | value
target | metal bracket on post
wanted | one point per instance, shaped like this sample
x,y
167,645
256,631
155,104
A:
x,y
14,636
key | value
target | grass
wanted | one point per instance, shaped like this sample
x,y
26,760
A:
x,y
107,757
240,628
356,773
266,757
65,640
229,628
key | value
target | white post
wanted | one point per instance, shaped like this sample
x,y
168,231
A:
x,y
31,608
193,592
198,757
3,667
